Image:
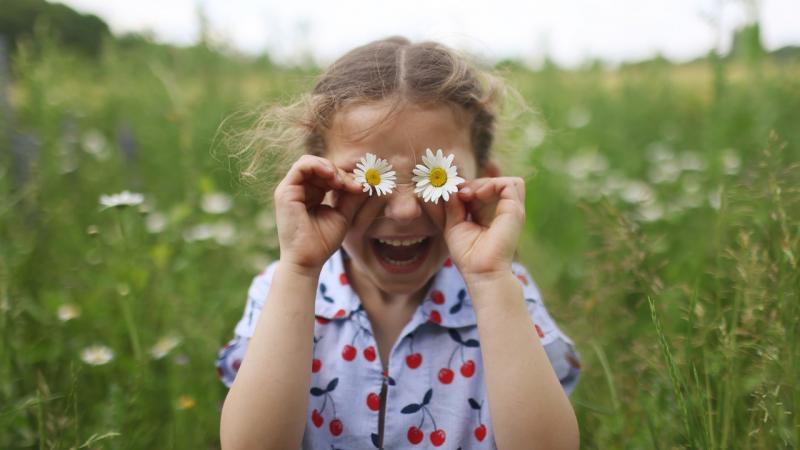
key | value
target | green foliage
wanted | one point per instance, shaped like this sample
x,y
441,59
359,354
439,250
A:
x,y
662,228
81,32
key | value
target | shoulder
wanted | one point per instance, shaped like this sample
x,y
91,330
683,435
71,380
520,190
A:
x,y
256,295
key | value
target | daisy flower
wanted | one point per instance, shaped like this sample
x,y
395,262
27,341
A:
x,y
124,198
373,172
97,355
437,177
68,312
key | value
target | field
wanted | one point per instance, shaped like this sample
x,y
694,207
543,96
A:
x,y
663,226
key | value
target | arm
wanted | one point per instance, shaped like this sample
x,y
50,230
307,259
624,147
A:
x,y
267,403
276,366
529,407
526,399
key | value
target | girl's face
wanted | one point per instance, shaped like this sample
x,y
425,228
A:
x,y
396,241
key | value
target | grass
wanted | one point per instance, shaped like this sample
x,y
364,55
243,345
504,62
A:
x,y
663,226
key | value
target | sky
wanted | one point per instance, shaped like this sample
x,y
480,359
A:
x,y
569,31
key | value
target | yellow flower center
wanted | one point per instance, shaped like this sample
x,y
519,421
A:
x,y
373,177
438,177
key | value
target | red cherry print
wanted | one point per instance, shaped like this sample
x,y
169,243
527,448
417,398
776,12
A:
x,y
539,331
336,427
523,279
236,364
317,418
369,353
349,353
343,278
340,313
446,376
322,320
316,365
415,435
435,317
468,368
437,438
437,297
414,360
480,432
373,401
448,262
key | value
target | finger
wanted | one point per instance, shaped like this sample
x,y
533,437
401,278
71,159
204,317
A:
x,y
467,190
349,182
455,212
348,204
313,170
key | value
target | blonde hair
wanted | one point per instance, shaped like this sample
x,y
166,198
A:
x,y
392,68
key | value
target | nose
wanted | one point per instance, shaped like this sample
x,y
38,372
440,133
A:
x,y
402,205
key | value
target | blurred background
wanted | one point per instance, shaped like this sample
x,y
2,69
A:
x,y
662,162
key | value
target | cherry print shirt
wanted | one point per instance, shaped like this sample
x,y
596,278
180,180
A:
x,y
433,394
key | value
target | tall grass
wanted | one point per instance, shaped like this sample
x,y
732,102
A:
x,y
664,230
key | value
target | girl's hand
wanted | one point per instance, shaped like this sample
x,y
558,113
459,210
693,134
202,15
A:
x,y
483,223
309,232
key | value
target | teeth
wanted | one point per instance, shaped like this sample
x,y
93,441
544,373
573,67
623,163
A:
x,y
401,263
399,243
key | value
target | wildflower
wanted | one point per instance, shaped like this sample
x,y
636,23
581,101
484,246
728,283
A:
x,y
731,161
199,232
121,200
155,222
68,312
224,233
578,117
97,355
437,178
163,346
374,172
185,402
216,203
637,192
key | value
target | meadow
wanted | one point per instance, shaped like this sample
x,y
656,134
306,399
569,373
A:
x,y
663,227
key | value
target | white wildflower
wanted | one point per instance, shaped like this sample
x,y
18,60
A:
x,y
437,177
637,192
578,117
156,222
216,203
731,161
373,172
97,355
164,345
121,200
68,312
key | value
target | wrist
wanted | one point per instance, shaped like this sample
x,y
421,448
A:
x,y
480,280
496,290
308,272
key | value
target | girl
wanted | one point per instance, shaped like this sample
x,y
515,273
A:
x,y
393,321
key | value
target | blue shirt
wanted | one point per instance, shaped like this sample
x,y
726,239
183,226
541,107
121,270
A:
x,y
433,394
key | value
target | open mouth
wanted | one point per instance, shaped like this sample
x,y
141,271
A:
x,y
401,255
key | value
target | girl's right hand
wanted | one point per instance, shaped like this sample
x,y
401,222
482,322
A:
x,y
309,232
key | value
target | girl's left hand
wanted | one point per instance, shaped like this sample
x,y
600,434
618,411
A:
x,y
483,224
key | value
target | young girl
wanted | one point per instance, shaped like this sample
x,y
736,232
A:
x,y
392,319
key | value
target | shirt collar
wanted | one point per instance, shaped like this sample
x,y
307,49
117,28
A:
x,y
446,303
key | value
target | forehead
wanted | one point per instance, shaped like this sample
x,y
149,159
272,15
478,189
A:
x,y
400,137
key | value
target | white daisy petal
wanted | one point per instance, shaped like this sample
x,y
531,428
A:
x,y
373,172
437,178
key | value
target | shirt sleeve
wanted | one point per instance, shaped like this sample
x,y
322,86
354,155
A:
x,y
230,357
559,347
